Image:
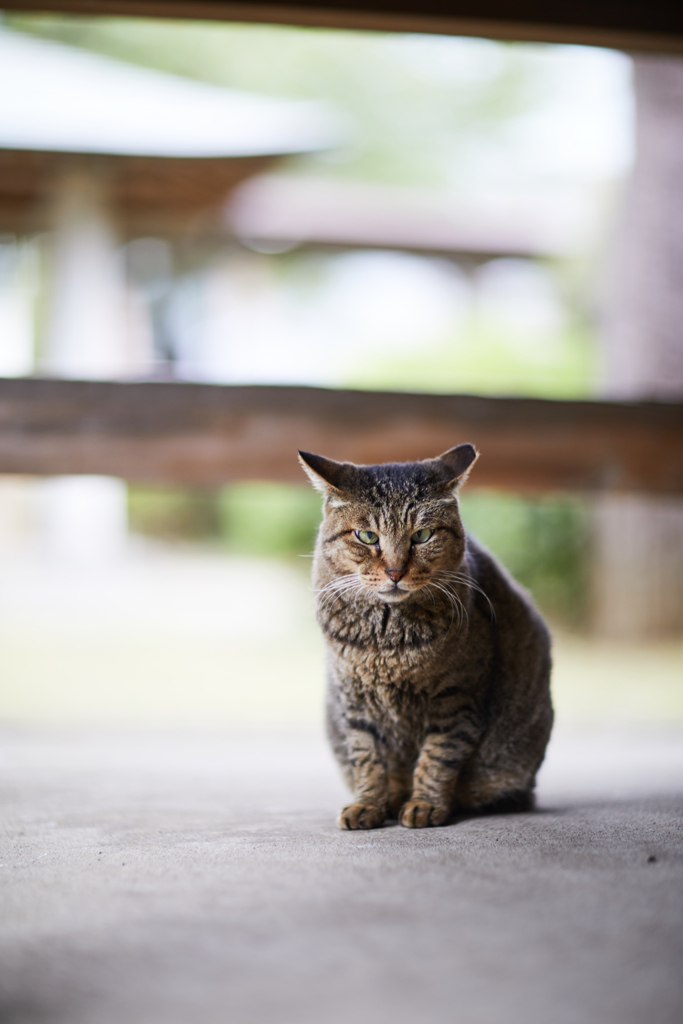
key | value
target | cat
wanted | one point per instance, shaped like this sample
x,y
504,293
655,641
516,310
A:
x,y
438,664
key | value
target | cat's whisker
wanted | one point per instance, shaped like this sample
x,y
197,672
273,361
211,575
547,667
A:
x,y
455,609
328,595
457,606
336,581
467,581
340,582
348,588
462,608
428,587
332,591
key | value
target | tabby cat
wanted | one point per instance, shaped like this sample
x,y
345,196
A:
x,y
438,664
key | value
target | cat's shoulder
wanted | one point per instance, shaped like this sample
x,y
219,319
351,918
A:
x,y
505,593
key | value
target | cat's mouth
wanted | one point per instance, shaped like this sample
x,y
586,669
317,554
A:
x,y
394,593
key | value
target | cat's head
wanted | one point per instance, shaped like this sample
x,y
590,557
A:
x,y
394,528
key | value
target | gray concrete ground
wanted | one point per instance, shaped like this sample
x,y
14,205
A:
x,y
201,879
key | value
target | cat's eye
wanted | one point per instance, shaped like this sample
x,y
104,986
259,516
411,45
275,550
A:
x,y
420,536
367,536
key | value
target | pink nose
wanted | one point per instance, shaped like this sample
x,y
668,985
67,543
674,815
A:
x,y
395,574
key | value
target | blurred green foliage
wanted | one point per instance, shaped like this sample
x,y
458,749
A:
x,y
542,542
249,518
173,513
483,359
265,518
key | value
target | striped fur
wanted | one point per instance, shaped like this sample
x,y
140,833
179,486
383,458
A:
x,y
438,675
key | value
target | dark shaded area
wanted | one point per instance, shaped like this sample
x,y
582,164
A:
x,y
531,19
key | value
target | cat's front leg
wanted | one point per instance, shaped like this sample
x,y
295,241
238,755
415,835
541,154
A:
x,y
435,778
367,768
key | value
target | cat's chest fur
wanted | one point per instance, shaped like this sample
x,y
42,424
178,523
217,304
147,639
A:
x,y
396,658
388,663
381,644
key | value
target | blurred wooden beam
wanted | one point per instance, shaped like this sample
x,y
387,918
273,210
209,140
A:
x,y
144,191
630,24
208,434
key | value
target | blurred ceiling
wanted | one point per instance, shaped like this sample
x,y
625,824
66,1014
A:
x,y
162,146
656,25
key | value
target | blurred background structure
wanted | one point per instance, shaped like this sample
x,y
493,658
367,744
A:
x,y
95,152
238,204
375,242
638,569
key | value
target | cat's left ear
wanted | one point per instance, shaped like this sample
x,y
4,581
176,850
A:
x,y
325,474
456,463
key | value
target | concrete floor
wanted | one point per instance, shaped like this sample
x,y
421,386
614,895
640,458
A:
x,y
200,879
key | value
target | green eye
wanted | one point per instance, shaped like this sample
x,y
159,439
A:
x,y
420,536
367,536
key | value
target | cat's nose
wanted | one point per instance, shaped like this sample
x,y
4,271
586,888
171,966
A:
x,y
395,574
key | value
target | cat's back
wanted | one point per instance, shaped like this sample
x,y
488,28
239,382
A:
x,y
520,707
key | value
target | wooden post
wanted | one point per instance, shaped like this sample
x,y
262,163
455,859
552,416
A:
x,y
84,518
638,575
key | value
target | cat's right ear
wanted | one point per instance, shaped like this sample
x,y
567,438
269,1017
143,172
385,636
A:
x,y
325,474
456,463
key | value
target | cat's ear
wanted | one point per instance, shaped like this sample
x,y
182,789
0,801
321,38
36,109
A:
x,y
324,474
456,463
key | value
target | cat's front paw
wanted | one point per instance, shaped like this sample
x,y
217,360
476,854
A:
x,y
362,816
420,814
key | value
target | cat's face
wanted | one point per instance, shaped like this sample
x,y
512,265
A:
x,y
391,530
